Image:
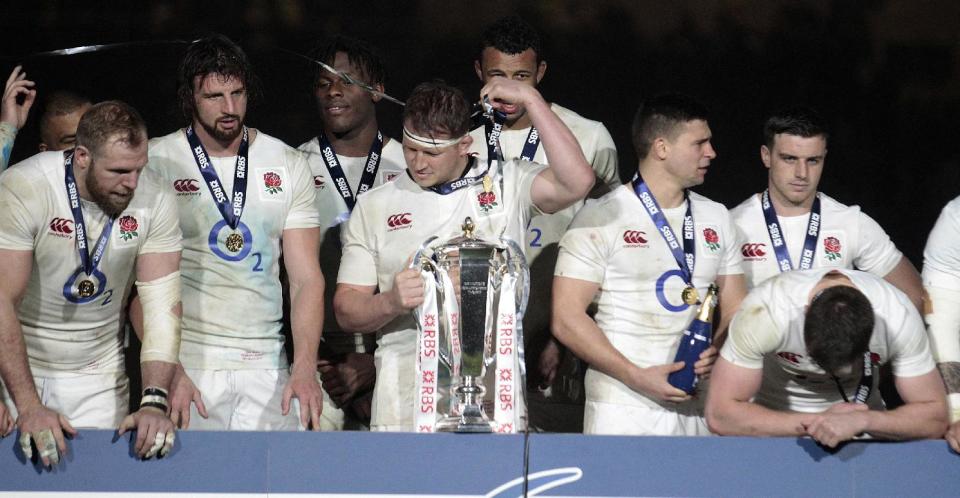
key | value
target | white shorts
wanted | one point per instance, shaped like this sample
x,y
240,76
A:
x,y
627,420
243,400
89,401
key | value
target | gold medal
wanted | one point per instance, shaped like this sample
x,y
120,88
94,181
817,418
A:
x,y
690,295
85,288
234,242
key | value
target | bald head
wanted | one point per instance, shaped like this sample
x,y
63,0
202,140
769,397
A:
x,y
58,124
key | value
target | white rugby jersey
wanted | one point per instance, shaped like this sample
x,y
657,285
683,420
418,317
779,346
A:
x,y
941,256
65,337
387,227
848,239
614,243
767,333
598,148
333,209
232,299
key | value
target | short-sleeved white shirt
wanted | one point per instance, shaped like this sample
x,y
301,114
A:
x,y
613,242
848,239
387,227
333,209
64,337
598,148
232,309
767,333
941,256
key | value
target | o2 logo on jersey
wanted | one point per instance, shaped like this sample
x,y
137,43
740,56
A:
x,y
399,221
319,182
186,186
61,227
753,251
634,238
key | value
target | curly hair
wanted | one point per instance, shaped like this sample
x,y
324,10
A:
x,y
214,54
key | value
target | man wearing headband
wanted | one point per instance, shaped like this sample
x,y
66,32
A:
x,y
242,196
349,157
941,285
511,48
77,228
443,184
650,248
791,226
801,359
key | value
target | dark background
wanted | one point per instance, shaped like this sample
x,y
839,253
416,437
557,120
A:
x,y
885,73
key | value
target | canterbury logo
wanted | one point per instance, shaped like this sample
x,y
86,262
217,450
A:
x,y
753,250
187,186
634,237
61,225
399,220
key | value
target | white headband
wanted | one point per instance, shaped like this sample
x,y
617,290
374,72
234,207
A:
x,y
433,142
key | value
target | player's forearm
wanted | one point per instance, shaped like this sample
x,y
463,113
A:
x,y
917,420
14,366
578,332
158,374
744,418
8,133
363,313
573,174
306,309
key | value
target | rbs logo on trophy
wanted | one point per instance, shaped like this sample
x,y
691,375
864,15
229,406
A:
x,y
398,221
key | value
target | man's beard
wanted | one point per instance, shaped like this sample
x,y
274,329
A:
x,y
223,135
110,205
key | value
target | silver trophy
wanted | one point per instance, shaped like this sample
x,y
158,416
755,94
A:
x,y
476,268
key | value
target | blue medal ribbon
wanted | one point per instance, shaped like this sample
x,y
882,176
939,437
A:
x,y
493,131
776,234
230,209
686,257
460,183
88,263
336,171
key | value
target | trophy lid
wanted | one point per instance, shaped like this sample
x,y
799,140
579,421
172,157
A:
x,y
468,239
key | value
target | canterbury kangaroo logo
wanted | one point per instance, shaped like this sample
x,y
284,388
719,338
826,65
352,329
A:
x,y
61,225
634,237
753,250
187,185
399,220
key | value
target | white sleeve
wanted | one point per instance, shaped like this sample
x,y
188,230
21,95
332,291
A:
x,y
941,257
358,265
732,257
303,208
604,160
878,254
752,334
584,251
20,205
165,234
910,348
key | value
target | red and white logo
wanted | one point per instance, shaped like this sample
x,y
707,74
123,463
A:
x,y
831,247
791,357
319,182
634,238
712,239
61,227
272,183
187,186
753,251
399,221
128,228
391,176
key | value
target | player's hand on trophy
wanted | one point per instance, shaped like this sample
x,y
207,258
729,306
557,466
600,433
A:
x,y
344,379
6,421
183,392
303,385
43,429
841,422
704,364
407,291
953,436
652,382
11,111
156,433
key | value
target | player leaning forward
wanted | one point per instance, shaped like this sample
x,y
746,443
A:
x,y
242,197
76,227
443,185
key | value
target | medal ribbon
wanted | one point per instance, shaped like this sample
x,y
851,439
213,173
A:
x,y
866,381
687,257
336,171
73,195
462,182
506,396
493,142
776,234
230,209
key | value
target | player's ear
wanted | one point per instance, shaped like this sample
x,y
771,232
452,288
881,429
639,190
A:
x,y
541,70
463,148
765,156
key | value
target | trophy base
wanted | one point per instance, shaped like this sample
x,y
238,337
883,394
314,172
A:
x,y
471,421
